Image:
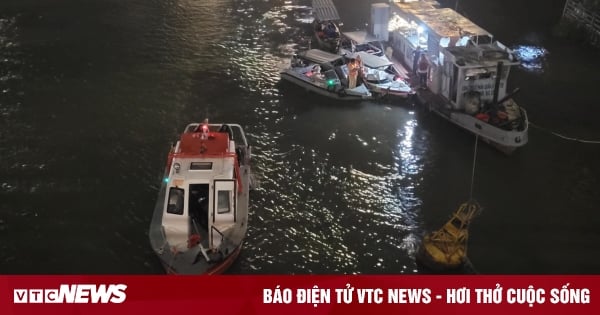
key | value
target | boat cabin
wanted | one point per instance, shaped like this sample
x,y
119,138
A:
x,y
373,61
330,70
421,24
474,75
203,183
360,41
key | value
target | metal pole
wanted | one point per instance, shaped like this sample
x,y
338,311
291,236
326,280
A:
x,y
473,171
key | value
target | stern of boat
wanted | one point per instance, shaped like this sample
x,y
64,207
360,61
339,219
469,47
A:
x,y
507,140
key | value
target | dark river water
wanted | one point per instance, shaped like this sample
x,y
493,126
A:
x,y
92,93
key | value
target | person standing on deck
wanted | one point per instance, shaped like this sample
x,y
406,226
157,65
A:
x,y
359,68
352,73
389,52
423,70
416,56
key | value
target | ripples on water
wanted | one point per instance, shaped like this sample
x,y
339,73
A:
x,y
316,212
88,147
92,95
344,203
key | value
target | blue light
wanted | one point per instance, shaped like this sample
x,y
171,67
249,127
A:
x,y
166,179
532,58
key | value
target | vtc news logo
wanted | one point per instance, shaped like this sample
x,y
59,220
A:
x,y
73,293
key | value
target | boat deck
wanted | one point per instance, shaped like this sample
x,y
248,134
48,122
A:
x,y
401,69
430,100
423,96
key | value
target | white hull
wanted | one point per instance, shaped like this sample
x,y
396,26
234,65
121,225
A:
x,y
381,77
505,140
388,89
357,94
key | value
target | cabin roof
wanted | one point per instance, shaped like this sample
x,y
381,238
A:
x,y
319,56
325,10
417,5
360,37
192,143
444,22
448,23
371,60
482,54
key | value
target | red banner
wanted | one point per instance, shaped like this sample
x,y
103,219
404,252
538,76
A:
x,y
223,295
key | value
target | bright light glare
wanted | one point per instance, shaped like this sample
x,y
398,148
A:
x,y
532,57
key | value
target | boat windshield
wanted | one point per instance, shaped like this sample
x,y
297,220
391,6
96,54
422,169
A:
x,y
330,75
382,81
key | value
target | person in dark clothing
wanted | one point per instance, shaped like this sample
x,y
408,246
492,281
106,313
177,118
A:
x,y
416,55
330,30
422,71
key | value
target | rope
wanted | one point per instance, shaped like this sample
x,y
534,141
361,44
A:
x,y
563,136
473,171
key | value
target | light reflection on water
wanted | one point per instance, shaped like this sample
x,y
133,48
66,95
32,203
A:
x,y
343,187
358,209
337,191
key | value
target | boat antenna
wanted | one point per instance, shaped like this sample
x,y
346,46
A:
x,y
473,171
206,113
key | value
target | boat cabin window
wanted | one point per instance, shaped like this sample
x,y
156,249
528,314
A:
x,y
478,74
223,201
195,166
175,205
482,39
463,41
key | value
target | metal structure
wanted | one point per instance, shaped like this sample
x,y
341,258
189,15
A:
x,y
588,18
446,248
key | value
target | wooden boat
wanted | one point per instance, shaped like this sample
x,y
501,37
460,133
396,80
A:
x,y
201,214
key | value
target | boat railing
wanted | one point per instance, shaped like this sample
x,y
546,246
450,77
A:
x,y
244,154
202,249
240,131
223,237
524,126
